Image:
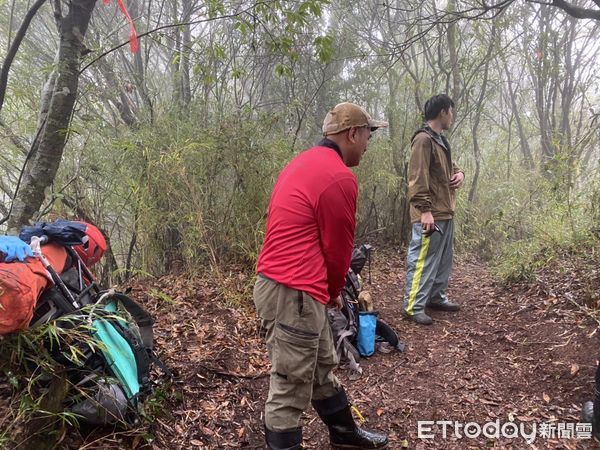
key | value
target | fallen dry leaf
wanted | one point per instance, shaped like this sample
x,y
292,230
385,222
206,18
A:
x,y
574,369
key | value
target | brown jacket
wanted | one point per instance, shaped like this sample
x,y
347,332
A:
x,y
429,173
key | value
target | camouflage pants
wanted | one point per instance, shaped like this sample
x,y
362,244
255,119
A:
x,y
301,351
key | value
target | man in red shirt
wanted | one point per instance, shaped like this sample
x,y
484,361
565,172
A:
x,y
301,271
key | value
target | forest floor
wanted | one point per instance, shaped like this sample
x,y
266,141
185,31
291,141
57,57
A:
x,y
523,352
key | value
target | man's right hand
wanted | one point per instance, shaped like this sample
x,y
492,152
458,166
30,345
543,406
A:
x,y
427,222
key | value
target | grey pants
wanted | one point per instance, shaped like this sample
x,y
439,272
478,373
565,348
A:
x,y
301,350
428,267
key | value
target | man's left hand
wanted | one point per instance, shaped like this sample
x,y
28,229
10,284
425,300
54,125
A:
x,y
457,180
335,303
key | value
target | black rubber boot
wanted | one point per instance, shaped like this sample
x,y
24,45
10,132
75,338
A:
x,y
343,432
284,440
590,412
588,416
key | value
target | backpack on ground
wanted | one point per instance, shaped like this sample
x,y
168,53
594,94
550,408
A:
x,y
355,339
22,283
109,356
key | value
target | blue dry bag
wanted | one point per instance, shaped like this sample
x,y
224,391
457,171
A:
x,y
365,340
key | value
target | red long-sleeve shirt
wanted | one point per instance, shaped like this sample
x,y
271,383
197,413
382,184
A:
x,y
310,225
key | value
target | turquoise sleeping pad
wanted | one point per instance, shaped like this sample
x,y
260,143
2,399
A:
x,y
117,351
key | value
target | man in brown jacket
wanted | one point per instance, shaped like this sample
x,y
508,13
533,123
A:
x,y
433,180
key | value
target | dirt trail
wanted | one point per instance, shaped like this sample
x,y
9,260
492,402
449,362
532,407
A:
x,y
522,353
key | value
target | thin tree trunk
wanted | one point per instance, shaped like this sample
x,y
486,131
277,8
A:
x,y
185,55
400,150
176,60
123,104
523,143
452,50
479,106
139,66
129,261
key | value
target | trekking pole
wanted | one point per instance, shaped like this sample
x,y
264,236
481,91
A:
x,y
69,303
369,249
88,282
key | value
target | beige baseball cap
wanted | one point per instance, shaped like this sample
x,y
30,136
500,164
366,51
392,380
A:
x,y
347,115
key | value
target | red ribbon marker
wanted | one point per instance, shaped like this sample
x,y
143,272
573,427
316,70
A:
x,y
133,39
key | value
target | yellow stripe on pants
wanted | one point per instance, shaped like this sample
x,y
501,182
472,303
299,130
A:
x,y
414,288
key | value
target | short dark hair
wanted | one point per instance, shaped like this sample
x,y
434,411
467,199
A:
x,y
436,104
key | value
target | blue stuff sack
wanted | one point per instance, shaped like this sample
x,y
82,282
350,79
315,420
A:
x,y
365,340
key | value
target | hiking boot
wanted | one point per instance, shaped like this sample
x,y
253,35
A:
x,y
420,318
343,432
587,416
445,305
284,440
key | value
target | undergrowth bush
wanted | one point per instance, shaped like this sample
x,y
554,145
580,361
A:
x,y
38,389
186,195
521,224
27,366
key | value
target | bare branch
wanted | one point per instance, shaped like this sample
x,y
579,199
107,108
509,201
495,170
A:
x,y
57,13
16,140
29,155
577,11
14,48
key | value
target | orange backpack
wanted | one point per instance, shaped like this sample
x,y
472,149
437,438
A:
x,y
22,283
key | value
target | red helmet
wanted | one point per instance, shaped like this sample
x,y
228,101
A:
x,y
94,246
